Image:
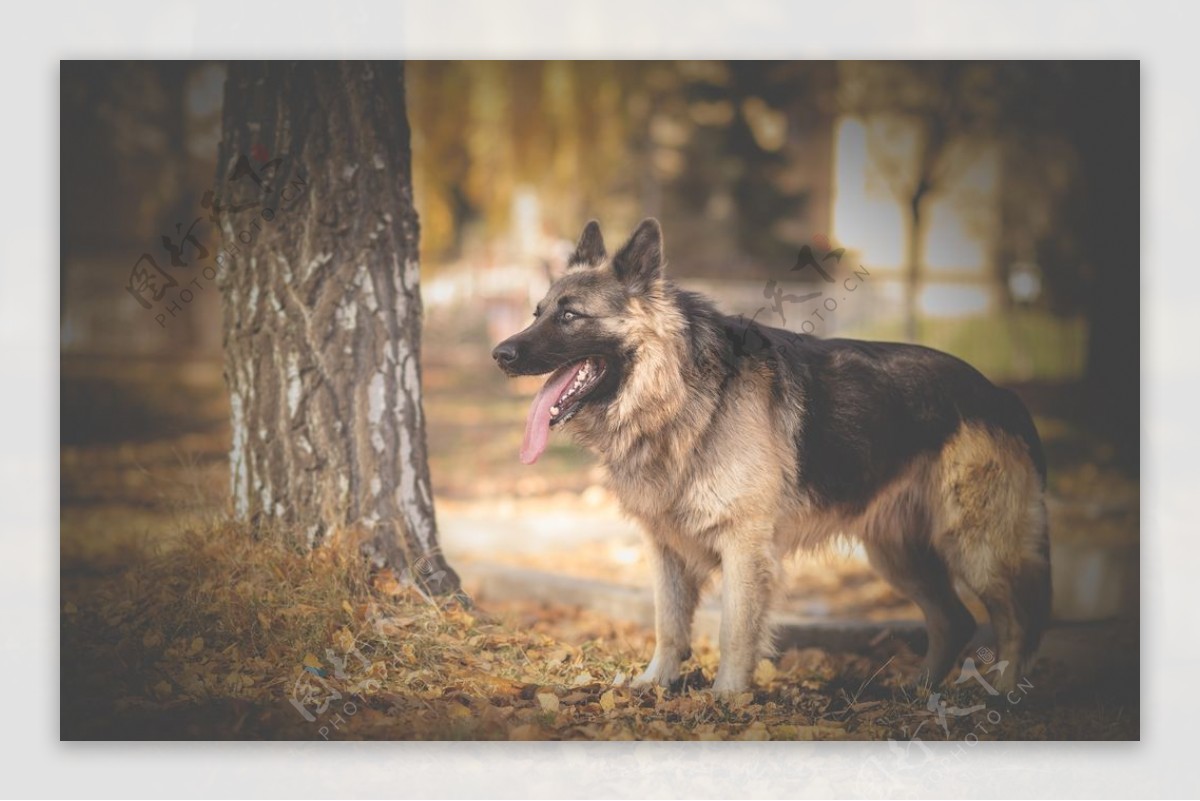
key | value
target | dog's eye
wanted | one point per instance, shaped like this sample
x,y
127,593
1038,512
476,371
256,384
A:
x,y
568,316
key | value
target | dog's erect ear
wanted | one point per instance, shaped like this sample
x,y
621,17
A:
x,y
639,262
590,250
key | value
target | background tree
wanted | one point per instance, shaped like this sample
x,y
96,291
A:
x,y
1103,124
323,309
1069,199
925,115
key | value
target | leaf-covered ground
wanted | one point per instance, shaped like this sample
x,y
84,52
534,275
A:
x,y
222,636
177,623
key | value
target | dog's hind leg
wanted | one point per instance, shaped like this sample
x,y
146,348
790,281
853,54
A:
x,y
995,542
676,593
1017,597
921,575
1018,613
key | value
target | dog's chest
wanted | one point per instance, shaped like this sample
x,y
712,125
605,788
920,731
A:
x,y
666,497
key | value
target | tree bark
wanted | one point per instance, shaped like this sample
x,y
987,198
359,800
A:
x,y
323,310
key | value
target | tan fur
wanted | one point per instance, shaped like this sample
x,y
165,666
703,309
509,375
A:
x,y
971,513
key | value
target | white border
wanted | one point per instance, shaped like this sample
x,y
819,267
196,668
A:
x,y
1159,33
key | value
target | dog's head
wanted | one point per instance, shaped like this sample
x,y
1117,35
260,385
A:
x,y
580,333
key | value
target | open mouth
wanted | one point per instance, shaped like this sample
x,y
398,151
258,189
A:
x,y
559,399
587,375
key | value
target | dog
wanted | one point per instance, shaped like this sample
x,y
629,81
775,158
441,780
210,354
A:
x,y
735,443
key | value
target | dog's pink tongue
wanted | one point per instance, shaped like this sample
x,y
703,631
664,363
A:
x,y
537,427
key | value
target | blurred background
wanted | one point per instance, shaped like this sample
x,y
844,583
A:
x,y
986,209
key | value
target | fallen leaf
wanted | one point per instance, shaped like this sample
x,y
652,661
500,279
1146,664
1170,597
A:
x,y
558,655
527,731
548,702
608,701
393,626
765,672
755,731
806,732
343,638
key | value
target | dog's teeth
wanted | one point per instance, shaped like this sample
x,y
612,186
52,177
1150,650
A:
x,y
554,411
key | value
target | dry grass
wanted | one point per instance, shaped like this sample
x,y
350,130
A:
x,y
218,635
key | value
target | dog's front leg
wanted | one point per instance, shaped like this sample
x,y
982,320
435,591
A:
x,y
749,570
676,593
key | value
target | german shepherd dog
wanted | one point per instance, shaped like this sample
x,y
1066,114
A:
x,y
732,456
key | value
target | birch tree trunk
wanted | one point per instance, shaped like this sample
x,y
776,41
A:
x,y
323,309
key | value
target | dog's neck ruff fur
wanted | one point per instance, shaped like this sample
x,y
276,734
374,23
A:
x,y
663,379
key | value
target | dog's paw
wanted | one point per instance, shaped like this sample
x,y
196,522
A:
x,y
726,685
657,673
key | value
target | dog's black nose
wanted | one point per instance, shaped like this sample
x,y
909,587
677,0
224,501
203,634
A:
x,y
505,354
